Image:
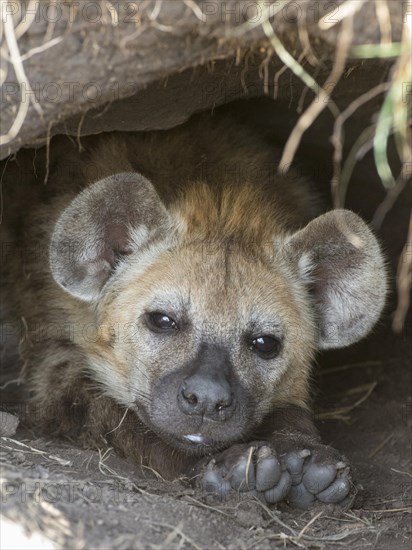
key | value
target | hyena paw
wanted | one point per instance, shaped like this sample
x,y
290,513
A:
x,y
253,468
300,475
318,473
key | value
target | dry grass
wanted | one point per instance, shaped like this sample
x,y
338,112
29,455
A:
x,y
300,537
393,117
342,413
28,449
404,282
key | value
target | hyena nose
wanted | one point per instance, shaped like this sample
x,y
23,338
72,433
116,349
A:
x,y
209,397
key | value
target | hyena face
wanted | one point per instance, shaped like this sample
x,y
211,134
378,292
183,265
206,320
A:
x,y
203,334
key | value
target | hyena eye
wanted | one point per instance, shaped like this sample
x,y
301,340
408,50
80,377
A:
x,y
158,321
266,346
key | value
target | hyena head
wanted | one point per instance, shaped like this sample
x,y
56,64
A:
x,y
210,311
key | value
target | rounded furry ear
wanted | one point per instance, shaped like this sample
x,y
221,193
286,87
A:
x,y
339,258
110,218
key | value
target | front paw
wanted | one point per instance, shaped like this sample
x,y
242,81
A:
x,y
301,474
254,468
319,473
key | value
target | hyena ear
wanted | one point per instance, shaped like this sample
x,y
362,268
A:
x,y
339,258
109,219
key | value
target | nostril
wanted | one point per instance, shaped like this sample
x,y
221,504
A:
x,y
189,396
207,397
223,404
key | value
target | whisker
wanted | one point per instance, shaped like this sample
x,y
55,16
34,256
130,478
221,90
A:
x,y
120,423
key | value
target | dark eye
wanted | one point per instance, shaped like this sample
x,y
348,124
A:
x,y
266,346
159,321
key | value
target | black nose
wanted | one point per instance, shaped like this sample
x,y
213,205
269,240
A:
x,y
209,396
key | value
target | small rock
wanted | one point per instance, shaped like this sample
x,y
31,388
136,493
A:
x,y
19,457
8,424
41,471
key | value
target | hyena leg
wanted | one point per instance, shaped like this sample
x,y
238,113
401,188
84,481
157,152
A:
x,y
119,428
66,403
287,462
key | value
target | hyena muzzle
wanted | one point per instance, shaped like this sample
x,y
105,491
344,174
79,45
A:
x,y
184,289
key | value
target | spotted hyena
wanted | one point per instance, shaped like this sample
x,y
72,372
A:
x,y
183,289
